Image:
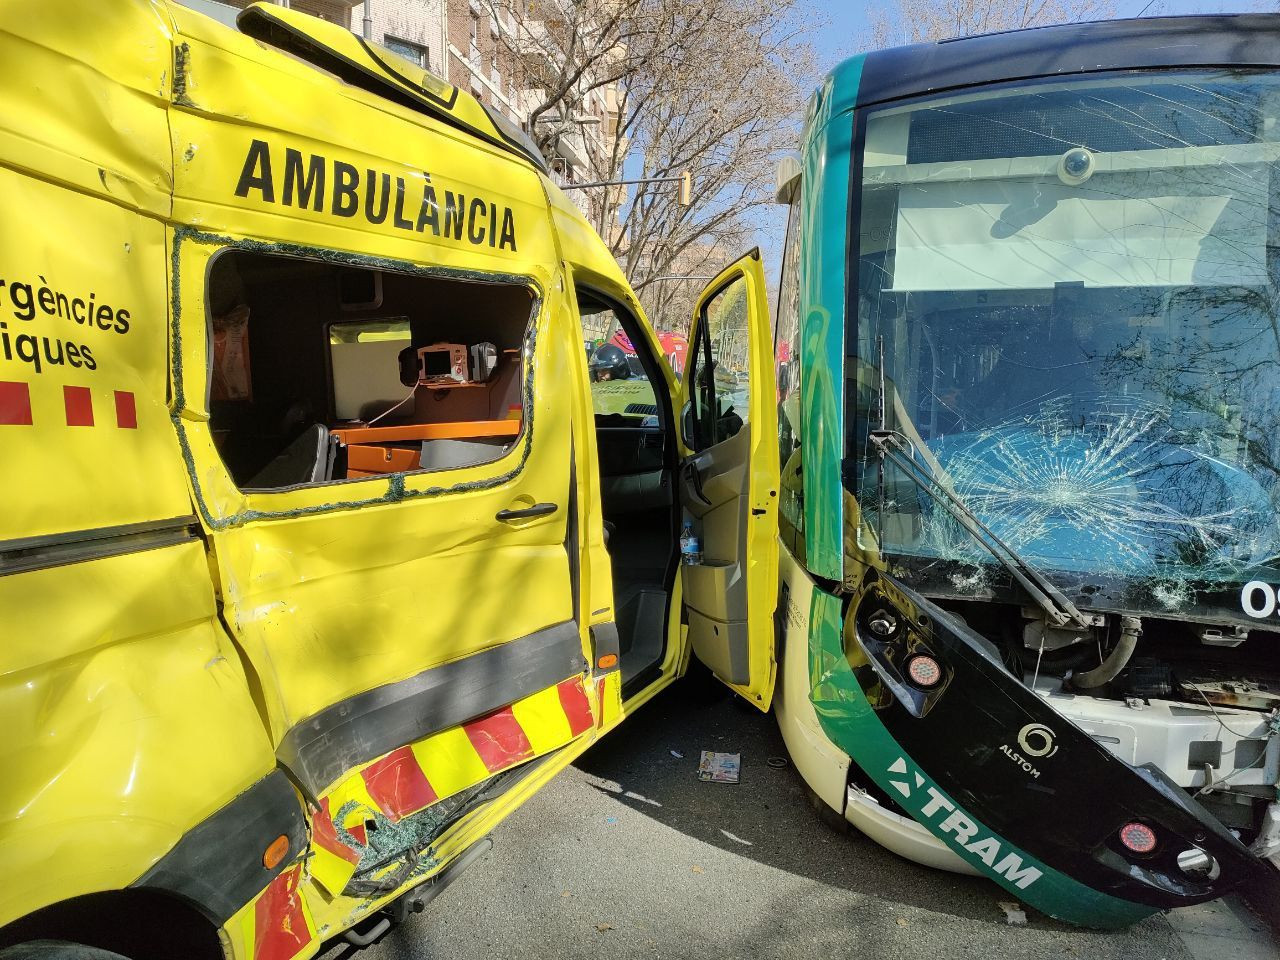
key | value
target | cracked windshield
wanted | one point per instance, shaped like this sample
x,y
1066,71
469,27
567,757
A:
x,y
1073,287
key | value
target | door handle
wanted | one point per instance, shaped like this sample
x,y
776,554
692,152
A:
x,y
693,480
537,510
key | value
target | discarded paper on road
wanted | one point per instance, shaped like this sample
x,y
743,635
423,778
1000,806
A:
x,y
719,767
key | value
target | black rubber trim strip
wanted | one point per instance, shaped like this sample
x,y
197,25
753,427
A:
x,y
58,549
323,747
571,545
1239,40
262,25
217,866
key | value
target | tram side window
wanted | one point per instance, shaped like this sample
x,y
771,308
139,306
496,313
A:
x,y
720,367
324,372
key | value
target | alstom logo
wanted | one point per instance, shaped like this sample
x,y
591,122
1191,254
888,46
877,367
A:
x,y
928,806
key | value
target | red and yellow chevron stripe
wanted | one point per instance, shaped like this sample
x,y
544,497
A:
x,y
275,925
278,924
609,696
415,776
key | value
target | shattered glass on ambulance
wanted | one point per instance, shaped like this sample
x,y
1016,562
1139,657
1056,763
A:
x,y
1074,289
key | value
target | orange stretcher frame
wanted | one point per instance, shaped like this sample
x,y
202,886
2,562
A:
x,y
457,430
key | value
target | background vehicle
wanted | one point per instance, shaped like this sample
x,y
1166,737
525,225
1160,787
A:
x,y
303,566
1027,367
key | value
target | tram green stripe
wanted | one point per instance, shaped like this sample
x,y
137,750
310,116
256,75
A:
x,y
824,242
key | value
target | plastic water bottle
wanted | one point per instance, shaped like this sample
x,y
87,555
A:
x,y
690,545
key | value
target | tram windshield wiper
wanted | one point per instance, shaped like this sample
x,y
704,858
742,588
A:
x,y
893,447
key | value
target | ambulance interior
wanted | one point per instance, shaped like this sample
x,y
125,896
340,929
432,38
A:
x,y
322,371
635,440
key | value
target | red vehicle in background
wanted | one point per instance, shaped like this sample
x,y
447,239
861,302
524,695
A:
x,y
674,347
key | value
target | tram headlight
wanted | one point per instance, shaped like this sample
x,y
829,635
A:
x,y
924,671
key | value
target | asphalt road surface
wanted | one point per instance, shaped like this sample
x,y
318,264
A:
x,y
628,854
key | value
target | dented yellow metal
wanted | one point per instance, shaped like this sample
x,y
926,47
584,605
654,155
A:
x,y
163,630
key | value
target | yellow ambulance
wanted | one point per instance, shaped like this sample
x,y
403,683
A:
x,y
315,558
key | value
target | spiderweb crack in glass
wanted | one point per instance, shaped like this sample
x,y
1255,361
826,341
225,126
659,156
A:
x,y
1123,489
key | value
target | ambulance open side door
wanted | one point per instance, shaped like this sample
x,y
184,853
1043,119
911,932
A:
x,y
729,481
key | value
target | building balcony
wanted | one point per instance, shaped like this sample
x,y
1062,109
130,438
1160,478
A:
x,y
535,44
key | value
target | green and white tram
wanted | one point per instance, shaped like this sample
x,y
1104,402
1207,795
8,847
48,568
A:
x,y
1028,358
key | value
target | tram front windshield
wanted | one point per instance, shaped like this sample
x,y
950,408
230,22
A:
x,y
1069,292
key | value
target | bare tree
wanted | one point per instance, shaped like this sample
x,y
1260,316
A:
x,y
722,103
714,88
725,119
917,21
569,49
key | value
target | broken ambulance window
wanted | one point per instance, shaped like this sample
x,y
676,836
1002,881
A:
x,y
323,372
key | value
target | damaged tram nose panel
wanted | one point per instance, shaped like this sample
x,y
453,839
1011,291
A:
x,y
1011,784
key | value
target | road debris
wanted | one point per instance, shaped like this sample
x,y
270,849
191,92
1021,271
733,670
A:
x,y
719,767
677,754
777,762
1014,915
602,927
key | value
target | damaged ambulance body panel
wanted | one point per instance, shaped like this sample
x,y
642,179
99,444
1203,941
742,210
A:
x,y
114,668
304,567
1038,567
